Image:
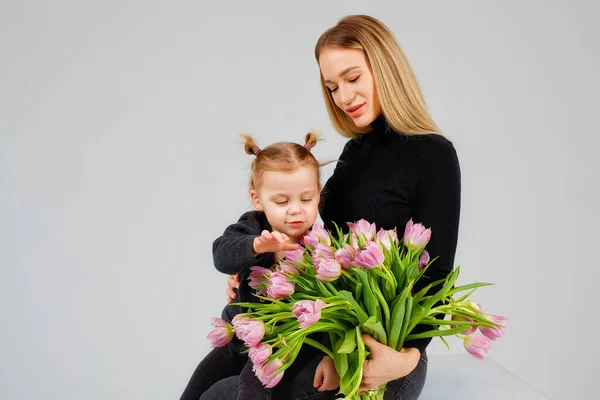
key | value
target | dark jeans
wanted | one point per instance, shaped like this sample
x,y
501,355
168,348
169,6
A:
x,y
219,364
297,383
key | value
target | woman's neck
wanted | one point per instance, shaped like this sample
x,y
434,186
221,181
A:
x,y
380,124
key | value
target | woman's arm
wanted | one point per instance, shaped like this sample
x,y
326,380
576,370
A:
x,y
437,206
437,174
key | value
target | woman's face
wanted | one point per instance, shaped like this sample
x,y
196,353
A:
x,y
348,76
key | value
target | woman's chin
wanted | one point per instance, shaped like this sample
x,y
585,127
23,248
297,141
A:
x,y
363,121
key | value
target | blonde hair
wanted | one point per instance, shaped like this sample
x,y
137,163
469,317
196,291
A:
x,y
281,157
402,102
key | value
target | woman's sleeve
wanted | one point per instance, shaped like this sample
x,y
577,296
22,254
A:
x,y
438,196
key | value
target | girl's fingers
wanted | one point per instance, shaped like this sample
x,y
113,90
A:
x,y
278,237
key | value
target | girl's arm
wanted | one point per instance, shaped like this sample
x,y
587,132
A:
x,y
233,251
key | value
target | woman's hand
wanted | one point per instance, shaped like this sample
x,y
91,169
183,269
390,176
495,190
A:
x,y
233,282
326,377
386,364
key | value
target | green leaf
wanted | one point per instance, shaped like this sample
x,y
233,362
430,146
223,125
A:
x,y
451,279
371,303
355,379
349,343
445,342
437,332
423,292
464,297
349,361
469,286
356,308
406,323
375,325
323,289
417,313
398,310
383,304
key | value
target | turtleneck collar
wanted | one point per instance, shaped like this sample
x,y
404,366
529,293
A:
x,y
380,125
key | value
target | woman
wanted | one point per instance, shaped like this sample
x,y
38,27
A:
x,y
397,166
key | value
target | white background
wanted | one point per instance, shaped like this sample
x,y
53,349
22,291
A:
x,y
120,162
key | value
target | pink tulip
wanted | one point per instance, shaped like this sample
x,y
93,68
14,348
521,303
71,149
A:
x,y
423,259
221,334
477,345
310,240
288,270
279,286
345,256
295,256
473,328
322,234
259,279
469,331
415,235
260,353
363,229
316,235
248,330
307,312
385,238
264,373
370,257
353,239
496,331
328,270
323,252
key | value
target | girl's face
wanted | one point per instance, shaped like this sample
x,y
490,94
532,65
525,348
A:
x,y
290,200
348,76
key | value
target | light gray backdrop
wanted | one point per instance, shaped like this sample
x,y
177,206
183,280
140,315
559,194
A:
x,y
120,162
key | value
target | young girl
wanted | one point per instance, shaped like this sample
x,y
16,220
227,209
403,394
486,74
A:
x,y
285,189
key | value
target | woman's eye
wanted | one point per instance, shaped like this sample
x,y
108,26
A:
x,y
333,90
354,80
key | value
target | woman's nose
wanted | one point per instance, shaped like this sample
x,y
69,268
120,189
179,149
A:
x,y
347,95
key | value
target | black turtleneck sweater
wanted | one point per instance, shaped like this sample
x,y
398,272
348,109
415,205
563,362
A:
x,y
387,178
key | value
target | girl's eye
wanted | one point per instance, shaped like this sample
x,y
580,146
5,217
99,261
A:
x,y
354,80
281,202
333,90
306,200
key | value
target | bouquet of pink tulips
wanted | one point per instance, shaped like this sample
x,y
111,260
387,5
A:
x,y
346,285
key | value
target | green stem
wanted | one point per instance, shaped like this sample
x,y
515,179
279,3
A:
x,y
390,277
319,346
349,276
384,306
331,288
275,317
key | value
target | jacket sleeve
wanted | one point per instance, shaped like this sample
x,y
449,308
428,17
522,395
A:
x,y
233,251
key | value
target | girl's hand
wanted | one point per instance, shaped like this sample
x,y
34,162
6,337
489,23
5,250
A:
x,y
386,364
233,282
272,242
326,377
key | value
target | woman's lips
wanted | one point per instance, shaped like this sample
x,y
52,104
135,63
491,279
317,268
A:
x,y
355,110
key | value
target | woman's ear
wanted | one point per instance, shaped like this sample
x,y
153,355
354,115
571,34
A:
x,y
256,200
